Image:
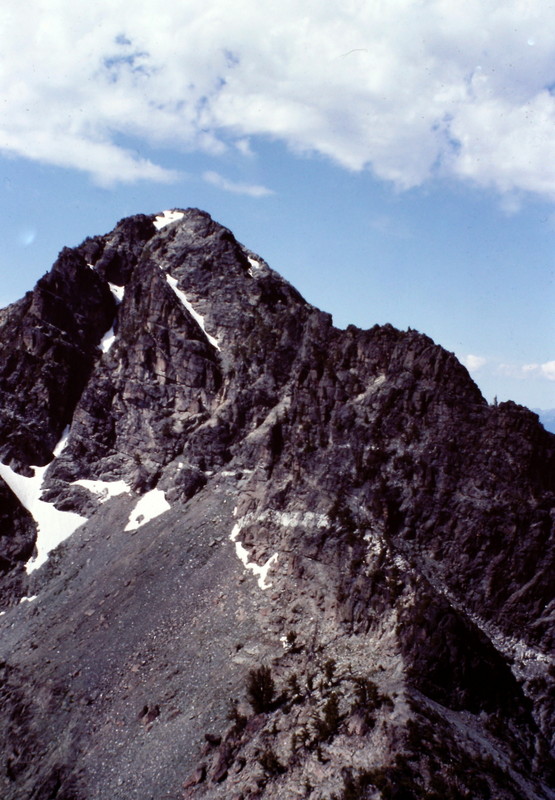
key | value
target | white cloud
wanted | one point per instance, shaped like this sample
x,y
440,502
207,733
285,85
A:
x,y
252,190
548,370
106,162
545,370
474,363
407,88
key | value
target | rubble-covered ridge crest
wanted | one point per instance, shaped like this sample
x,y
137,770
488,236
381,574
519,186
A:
x,y
245,554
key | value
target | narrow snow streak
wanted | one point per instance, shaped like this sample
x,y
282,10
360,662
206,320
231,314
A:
x,y
295,519
149,506
103,489
255,265
166,217
107,340
117,291
196,316
53,526
60,447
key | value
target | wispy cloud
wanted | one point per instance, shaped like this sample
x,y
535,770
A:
x,y
462,93
26,236
546,370
249,189
491,366
390,226
522,371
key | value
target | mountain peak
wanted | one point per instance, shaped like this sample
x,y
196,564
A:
x,y
329,527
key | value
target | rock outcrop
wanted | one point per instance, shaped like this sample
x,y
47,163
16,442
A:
x,y
312,562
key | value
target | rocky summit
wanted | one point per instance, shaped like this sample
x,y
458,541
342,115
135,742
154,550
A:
x,y
244,554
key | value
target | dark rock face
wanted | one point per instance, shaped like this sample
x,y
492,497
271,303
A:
x,y
49,344
390,630
17,541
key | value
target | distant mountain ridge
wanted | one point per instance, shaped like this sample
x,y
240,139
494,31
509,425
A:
x,y
305,562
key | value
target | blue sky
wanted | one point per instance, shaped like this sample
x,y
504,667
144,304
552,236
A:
x,y
395,161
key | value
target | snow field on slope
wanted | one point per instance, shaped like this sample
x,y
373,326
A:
x,y
150,505
284,519
53,526
103,490
243,555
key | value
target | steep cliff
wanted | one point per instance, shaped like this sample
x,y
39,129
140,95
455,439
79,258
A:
x,y
291,561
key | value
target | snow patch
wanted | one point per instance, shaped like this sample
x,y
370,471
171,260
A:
x,y
166,217
256,266
103,489
232,473
53,526
199,319
28,599
243,555
117,291
107,340
285,519
150,505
